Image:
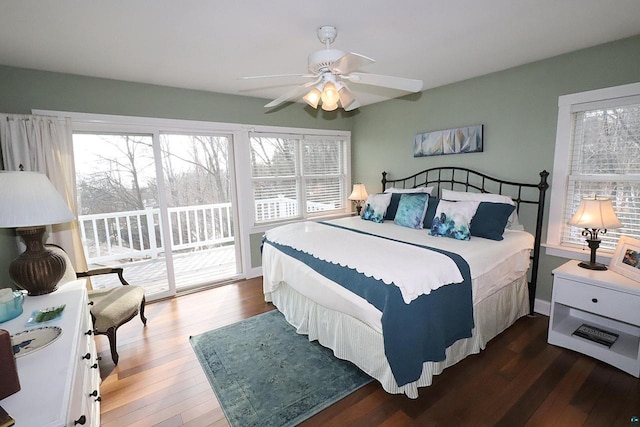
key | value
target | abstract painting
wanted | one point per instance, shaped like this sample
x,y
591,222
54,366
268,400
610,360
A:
x,y
449,141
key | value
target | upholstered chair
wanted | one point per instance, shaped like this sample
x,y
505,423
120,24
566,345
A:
x,y
110,307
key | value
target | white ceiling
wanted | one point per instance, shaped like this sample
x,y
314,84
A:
x,y
210,44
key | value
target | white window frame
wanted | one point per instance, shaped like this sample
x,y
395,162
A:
x,y
301,177
561,167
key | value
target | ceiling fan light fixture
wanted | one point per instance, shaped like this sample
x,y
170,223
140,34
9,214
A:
x,y
313,97
329,107
330,95
346,97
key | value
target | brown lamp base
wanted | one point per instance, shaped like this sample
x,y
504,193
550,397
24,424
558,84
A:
x,y
593,266
37,269
594,244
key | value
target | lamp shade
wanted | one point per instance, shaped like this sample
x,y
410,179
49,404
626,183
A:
x,y
346,97
595,212
29,199
313,97
330,94
359,193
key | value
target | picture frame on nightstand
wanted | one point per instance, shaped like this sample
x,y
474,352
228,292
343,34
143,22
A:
x,y
626,259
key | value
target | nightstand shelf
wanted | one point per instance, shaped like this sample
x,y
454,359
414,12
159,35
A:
x,y
603,299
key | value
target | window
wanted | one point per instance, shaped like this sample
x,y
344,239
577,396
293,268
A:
x,y
297,176
597,153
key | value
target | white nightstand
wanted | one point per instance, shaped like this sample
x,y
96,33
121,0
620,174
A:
x,y
603,299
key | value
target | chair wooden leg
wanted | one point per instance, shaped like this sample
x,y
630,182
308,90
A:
x,y
111,334
142,317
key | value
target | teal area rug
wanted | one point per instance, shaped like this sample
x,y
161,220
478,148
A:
x,y
265,374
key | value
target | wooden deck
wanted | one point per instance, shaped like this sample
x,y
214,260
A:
x,y
191,270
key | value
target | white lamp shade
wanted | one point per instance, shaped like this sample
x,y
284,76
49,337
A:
x,y
595,212
329,107
359,192
330,94
29,199
313,97
346,97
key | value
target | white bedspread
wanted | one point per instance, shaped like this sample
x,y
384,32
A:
x,y
386,260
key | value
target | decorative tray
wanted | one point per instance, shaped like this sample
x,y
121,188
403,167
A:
x,y
28,341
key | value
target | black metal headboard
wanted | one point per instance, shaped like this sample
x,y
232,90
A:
x,y
462,179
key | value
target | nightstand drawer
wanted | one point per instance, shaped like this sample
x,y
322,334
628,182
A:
x,y
605,302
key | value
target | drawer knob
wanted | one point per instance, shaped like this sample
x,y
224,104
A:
x,y
98,399
89,332
594,300
82,420
94,366
87,356
90,303
94,393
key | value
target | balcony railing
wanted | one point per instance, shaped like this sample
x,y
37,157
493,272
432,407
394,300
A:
x,y
137,235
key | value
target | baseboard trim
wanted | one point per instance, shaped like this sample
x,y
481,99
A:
x,y
542,307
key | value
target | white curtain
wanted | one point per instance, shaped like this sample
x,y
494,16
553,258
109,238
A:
x,y
45,144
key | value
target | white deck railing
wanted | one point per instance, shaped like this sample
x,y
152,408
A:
x,y
138,235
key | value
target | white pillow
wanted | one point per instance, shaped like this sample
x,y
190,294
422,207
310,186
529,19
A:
x,y
512,223
453,219
427,190
376,206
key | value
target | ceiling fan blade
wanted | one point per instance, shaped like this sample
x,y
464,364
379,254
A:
x,y
277,75
400,83
355,104
349,63
293,93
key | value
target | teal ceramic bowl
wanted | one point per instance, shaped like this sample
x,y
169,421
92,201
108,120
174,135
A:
x,y
12,308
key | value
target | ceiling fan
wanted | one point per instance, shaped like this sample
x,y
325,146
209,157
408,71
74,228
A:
x,y
330,71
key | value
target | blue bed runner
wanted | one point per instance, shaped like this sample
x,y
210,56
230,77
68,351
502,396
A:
x,y
413,333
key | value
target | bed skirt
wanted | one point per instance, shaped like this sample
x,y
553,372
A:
x,y
353,340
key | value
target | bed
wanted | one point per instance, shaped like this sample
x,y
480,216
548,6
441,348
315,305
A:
x,y
395,300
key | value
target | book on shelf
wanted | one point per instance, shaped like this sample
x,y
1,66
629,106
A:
x,y
596,335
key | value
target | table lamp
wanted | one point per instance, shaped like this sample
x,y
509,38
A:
x,y
595,215
29,204
358,195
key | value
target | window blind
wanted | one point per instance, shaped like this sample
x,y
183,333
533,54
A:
x,y
295,176
605,161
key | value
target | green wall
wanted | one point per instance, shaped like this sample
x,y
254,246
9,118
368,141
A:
x,y
518,108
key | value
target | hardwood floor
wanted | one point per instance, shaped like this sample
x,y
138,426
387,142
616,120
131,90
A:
x,y
519,380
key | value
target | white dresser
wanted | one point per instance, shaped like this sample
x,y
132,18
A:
x,y
60,383
603,299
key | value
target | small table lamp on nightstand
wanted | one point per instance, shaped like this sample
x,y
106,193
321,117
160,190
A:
x,y
596,215
358,195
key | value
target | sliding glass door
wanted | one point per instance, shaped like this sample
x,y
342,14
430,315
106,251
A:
x,y
159,204
200,214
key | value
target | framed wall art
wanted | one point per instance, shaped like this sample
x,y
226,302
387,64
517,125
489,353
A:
x,y
626,259
449,141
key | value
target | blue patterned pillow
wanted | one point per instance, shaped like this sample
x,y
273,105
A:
x,y
453,219
376,206
411,209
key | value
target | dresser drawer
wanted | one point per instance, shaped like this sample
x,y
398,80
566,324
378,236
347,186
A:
x,y
605,302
